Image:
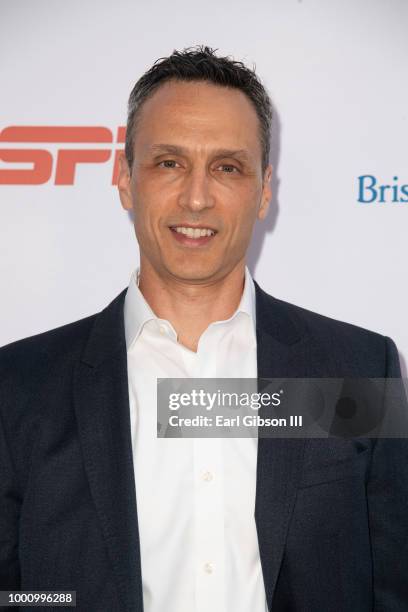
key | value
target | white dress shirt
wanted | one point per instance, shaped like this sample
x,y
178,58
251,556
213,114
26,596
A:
x,y
195,497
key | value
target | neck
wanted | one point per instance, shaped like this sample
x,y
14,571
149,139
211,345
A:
x,y
191,308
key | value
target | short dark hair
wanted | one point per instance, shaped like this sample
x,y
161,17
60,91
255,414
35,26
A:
x,y
201,63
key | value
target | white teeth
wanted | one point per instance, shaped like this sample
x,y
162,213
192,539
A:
x,y
192,232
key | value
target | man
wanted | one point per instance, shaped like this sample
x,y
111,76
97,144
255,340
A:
x,y
93,501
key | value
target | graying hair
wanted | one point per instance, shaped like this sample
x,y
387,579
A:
x,y
201,64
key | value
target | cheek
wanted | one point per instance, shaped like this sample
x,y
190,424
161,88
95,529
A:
x,y
144,204
246,213
152,197
244,217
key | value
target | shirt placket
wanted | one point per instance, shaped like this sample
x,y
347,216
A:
x,y
209,547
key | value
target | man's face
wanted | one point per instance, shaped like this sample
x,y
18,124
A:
x,y
196,171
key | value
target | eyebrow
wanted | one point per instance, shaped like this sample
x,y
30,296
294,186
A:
x,y
241,154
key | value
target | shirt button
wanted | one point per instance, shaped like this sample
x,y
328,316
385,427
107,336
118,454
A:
x,y
208,568
207,476
162,329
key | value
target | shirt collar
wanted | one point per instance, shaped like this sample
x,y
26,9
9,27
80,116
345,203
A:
x,y
137,311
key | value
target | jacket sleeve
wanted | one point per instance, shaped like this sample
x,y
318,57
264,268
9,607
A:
x,y
10,504
387,493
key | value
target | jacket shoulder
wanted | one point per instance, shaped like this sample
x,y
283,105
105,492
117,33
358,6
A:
x,y
306,321
317,323
36,358
347,347
65,342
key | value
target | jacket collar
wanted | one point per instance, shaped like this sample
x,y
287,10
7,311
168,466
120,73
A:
x,y
274,318
107,336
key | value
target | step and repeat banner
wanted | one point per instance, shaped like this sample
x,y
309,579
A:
x,y
336,238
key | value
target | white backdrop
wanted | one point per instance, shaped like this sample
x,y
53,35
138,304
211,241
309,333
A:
x,y
337,74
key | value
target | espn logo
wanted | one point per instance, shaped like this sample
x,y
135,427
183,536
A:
x,y
65,158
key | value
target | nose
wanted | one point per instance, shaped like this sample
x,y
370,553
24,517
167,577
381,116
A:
x,y
195,194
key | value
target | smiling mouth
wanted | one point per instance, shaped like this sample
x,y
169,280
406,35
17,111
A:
x,y
192,236
193,232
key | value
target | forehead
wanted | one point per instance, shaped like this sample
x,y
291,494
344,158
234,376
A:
x,y
199,114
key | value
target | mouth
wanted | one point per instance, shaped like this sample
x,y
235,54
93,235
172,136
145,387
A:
x,y
193,236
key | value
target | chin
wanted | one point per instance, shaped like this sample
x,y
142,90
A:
x,y
191,272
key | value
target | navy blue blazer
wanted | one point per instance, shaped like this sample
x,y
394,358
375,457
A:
x,y
331,514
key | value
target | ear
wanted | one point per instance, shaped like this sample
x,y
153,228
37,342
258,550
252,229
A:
x,y
266,194
124,183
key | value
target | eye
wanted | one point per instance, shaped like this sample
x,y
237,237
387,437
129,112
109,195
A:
x,y
228,168
168,163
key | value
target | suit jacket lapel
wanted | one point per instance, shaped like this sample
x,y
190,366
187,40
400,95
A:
x,y
279,460
102,410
